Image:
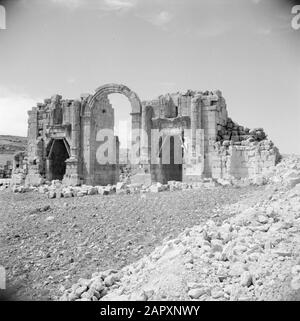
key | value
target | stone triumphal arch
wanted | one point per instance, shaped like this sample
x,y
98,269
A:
x,y
74,140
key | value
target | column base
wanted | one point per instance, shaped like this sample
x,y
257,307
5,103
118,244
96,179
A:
x,y
71,176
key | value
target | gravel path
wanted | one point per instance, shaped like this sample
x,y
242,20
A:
x,y
47,245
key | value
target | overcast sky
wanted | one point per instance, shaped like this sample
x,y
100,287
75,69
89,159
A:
x,y
245,48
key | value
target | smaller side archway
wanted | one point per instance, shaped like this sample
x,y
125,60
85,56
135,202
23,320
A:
x,y
57,152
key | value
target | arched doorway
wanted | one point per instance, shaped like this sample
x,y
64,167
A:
x,y
58,151
98,117
122,125
170,159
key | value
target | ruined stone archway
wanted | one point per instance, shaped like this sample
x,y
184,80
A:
x,y
105,90
98,114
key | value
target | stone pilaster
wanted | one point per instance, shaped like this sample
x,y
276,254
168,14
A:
x,y
86,148
193,166
75,142
72,175
32,133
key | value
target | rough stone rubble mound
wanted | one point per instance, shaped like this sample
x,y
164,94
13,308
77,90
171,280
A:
x,y
255,255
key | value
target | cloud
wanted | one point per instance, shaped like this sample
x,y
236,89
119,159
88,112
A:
x,y
278,29
13,108
72,4
116,5
160,19
105,5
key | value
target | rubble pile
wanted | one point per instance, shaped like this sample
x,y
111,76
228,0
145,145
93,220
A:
x,y
92,289
232,131
254,255
55,188
286,173
4,183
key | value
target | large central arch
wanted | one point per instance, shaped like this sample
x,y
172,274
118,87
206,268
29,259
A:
x,y
107,89
94,173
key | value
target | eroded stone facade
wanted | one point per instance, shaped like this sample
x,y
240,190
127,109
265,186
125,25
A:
x,y
182,136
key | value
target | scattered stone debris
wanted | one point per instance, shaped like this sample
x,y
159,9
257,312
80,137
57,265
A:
x,y
94,233
56,189
254,255
4,183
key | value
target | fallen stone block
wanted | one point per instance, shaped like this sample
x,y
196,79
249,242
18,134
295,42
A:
x,y
51,194
92,191
156,188
67,194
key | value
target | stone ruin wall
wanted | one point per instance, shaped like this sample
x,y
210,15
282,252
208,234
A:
x,y
199,112
214,146
228,150
241,153
59,118
53,113
102,116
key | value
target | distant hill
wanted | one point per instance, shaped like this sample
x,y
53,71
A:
x,y
9,145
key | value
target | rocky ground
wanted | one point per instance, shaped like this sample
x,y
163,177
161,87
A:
x,y
217,243
48,244
253,254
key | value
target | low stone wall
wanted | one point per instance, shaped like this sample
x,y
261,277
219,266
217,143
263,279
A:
x,y
243,159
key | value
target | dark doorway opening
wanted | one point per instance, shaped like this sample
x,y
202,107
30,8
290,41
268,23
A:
x,y
58,155
173,170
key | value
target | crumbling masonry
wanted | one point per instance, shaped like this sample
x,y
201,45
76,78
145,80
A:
x,y
63,140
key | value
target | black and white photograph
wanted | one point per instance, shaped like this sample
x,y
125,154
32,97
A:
x,y
149,152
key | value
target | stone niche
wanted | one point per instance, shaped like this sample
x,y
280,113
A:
x,y
181,136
